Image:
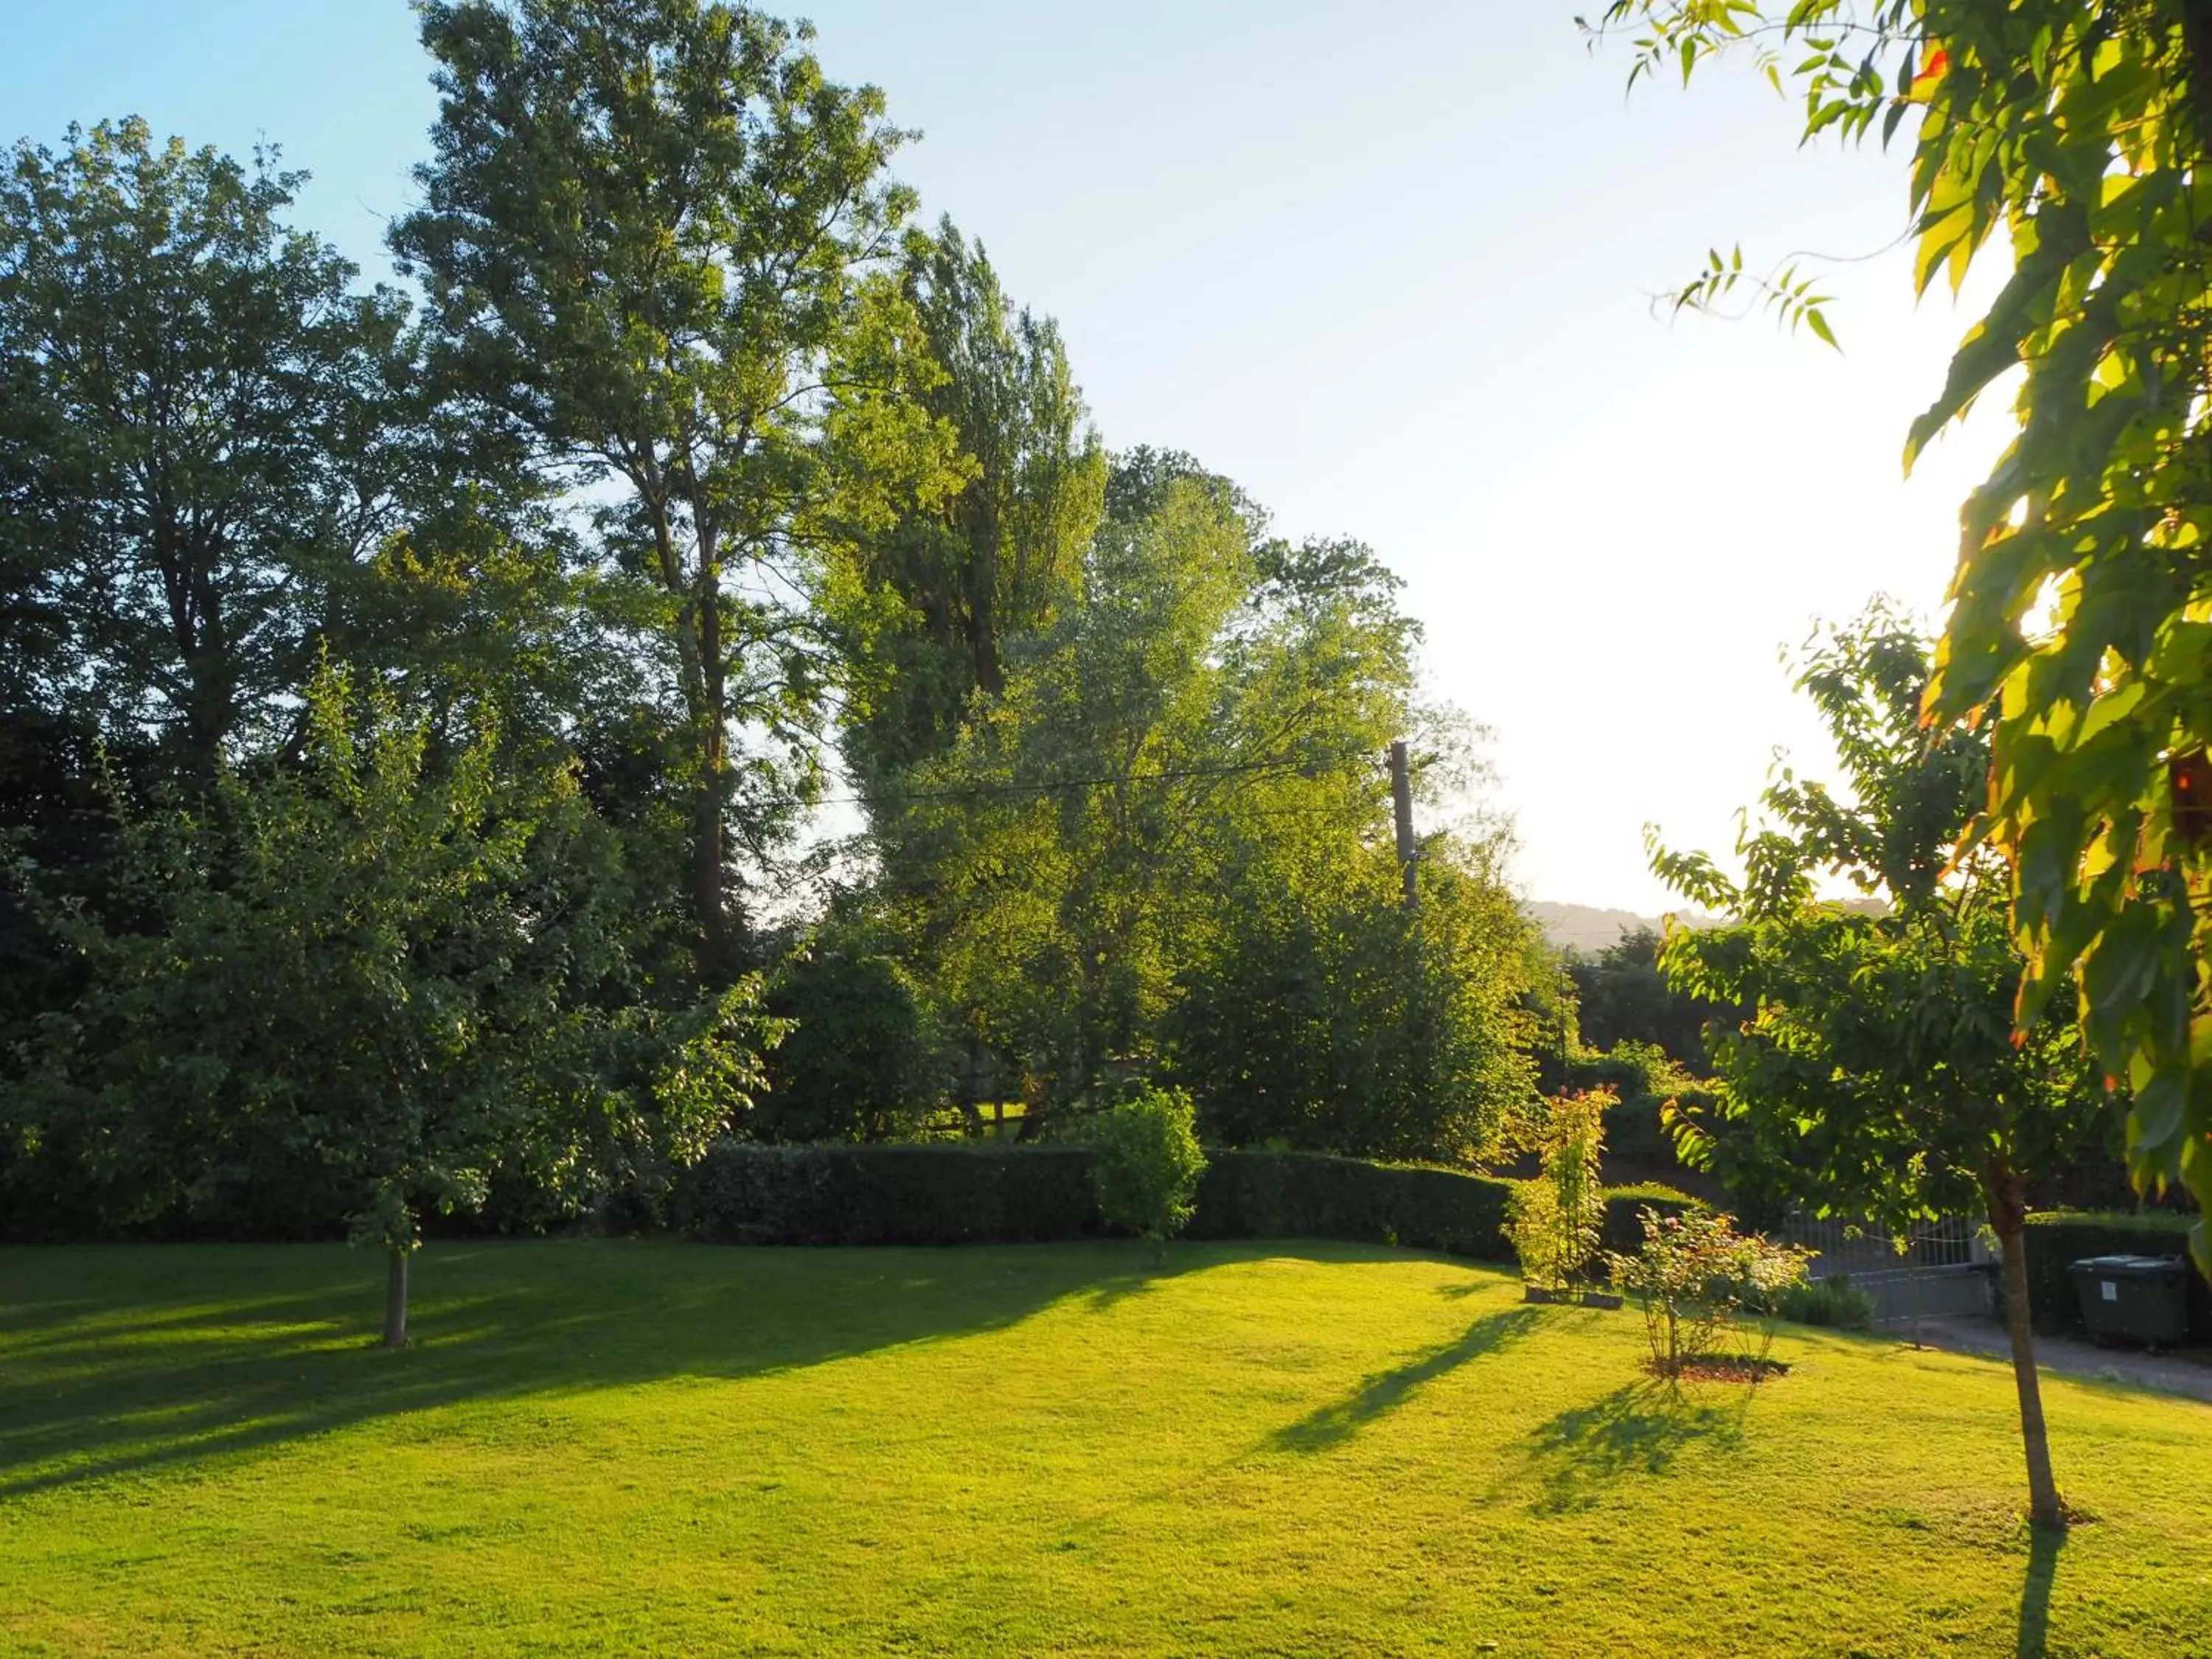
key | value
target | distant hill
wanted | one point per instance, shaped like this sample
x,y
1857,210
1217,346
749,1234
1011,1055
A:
x,y
1586,928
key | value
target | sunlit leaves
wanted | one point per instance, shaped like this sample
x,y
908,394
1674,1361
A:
x,y
1786,292
1878,1072
2076,132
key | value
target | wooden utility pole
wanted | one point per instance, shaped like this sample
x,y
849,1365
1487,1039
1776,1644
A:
x,y
1401,803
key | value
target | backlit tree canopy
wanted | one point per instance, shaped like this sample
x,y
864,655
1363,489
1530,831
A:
x,y
2074,131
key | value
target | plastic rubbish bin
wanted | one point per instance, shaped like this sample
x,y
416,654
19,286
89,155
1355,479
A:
x,y
2140,1297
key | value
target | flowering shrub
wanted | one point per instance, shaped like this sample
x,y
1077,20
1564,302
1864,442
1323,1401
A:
x,y
1707,1291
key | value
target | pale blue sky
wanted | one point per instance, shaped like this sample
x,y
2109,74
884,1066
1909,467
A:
x,y
1387,266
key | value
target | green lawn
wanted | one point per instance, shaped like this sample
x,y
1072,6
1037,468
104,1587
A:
x,y
1262,1449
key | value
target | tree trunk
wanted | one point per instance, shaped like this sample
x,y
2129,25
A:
x,y
708,829
703,677
395,1301
2008,1214
707,861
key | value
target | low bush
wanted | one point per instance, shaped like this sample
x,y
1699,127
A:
x,y
1146,1162
1833,1302
1707,1291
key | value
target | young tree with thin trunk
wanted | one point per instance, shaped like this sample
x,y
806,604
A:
x,y
1879,1077
393,985
660,247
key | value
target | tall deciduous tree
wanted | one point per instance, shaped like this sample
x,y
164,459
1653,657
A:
x,y
204,431
1038,845
2079,131
658,242
1880,1076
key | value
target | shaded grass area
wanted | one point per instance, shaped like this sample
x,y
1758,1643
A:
x,y
1260,1449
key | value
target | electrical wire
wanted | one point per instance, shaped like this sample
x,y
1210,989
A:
x,y
1165,774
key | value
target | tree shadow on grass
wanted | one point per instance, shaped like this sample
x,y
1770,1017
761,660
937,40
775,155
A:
x,y
2043,1546
1640,1429
1385,1391
119,1359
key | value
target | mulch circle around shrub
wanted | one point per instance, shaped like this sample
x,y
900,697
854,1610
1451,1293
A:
x,y
1730,1368
1570,1298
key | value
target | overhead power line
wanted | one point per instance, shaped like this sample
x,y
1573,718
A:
x,y
1057,786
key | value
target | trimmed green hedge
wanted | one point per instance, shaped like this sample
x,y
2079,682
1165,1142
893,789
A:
x,y
2057,1237
973,1193
741,1193
1623,1207
1263,1194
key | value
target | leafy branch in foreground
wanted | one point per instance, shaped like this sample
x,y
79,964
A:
x,y
1783,291
2081,619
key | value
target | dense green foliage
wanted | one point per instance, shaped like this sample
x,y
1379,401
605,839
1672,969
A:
x,y
360,990
1622,996
936,604
1645,1084
1164,847
948,1192
1269,1195
864,1057
1555,1220
204,431
2080,128
653,1447
691,470
743,1193
657,243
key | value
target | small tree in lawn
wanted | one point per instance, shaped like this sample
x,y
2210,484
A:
x,y
1556,1220
1881,1076
1148,1164
393,979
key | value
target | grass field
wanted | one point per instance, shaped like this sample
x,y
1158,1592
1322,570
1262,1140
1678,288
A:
x,y
1262,1450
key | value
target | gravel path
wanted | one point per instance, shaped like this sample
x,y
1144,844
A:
x,y
2186,1371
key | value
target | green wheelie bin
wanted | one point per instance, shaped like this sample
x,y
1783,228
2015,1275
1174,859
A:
x,y
2142,1298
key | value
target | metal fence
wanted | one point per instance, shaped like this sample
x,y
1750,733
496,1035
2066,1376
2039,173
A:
x,y
1935,1269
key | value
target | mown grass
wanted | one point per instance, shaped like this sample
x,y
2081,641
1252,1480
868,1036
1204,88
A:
x,y
1262,1449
